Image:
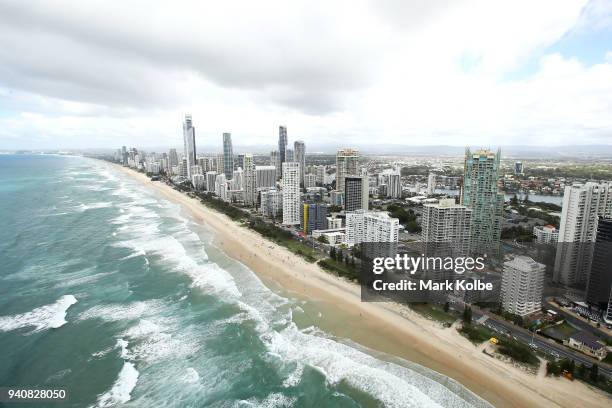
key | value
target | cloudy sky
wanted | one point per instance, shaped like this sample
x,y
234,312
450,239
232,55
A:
x,y
77,74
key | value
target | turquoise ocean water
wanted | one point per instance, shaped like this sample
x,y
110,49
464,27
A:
x,y
110,292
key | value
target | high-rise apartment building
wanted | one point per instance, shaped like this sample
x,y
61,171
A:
x,y
282,149
394,186
291,193
228,156
582,206
310,180
271,202
221,187
356,193
314,217
173,159
482,195
522,286
265,177
276,162
189,143
518,168
371,226
347,164
599,284
320,174
211,177
446,227
250,180
431,184
299,150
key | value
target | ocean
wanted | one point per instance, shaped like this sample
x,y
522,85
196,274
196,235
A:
x,y
115,295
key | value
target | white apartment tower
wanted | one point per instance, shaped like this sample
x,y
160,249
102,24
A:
x,y
448,224
370,226
522,286
250,180
221,187
582,205
211,177
291,193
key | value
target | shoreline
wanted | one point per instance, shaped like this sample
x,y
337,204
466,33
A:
x,y
382,327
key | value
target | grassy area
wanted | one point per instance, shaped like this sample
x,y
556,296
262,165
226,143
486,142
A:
x,y
560,331
340,268
434,312
518,351
476,334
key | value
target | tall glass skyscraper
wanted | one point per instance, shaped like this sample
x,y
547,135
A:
x,y
189,143
482,195
228,156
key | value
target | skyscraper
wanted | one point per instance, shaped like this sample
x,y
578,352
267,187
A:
x,y
291,193
347,163
189,143
518,168
265,176
446,226
228,156
582,205
481,194
250,180
275,161
431,184
356,191
173,160
394,187
522,286
299,151
599,285
282,148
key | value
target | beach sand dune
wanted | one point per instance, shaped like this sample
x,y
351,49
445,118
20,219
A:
x,y
385,327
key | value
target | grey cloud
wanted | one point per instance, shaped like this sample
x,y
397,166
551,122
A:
x,y
82,54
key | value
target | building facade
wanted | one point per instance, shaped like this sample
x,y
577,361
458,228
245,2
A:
x,y
482,195
347,164
522,286
228,156
291,193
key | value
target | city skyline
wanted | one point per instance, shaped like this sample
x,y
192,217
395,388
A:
x,y
546,85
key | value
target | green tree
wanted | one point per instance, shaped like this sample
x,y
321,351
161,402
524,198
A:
x,y
467,315
323,239
594,374
446,307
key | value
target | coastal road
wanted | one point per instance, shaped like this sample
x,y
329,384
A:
x,y
544,345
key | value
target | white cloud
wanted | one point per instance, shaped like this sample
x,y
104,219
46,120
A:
x,y
91,74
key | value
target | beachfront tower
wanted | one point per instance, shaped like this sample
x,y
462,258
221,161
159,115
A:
x,y
291,193
522,286
482,195
189,143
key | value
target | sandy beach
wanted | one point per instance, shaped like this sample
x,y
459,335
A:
x,y
384,327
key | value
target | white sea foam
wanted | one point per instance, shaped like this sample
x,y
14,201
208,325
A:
x,y
117,312
191,376
121,391
92,206
274,400
50,316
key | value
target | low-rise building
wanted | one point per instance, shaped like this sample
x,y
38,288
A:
x,y
588,344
